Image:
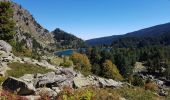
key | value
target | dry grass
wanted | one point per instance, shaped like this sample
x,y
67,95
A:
x,y
151,86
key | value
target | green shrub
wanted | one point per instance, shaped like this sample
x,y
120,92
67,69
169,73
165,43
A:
x,y
96,69
2,79
137,81
110,71
66,64
19,69
7,24
20,49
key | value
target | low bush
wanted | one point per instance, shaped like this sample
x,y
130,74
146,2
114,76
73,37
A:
x,y
92,93
66,64
89,93
137,81
151,86
5,95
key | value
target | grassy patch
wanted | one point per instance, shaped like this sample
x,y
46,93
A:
x,y
65,62
56,61
19,69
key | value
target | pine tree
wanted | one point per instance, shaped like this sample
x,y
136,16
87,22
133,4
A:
x,y
6,23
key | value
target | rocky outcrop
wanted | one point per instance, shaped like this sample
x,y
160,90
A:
x,y
52,79
80,81
27,28
4,46
54,82
18,86
160,82
109,83
5,56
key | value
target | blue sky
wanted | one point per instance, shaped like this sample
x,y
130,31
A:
x,y
97,18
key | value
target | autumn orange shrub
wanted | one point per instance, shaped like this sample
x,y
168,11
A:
x,y
151,86
81,62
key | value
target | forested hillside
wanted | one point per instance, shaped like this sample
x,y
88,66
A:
x,y
137,41
66,40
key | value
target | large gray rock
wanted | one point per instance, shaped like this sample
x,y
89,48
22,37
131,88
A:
x,y
94,80
66,71
18,86
109,83
5,46
80,81
162,92
28,78
60,78
49,80
27,60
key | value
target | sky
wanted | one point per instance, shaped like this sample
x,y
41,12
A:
x,y
89,19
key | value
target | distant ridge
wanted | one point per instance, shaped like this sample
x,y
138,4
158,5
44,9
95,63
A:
x,y
147,32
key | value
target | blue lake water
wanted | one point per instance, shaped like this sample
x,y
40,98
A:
x,y
69,52
65,52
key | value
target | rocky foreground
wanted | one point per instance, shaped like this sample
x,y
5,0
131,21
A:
x,y
53,82
33,85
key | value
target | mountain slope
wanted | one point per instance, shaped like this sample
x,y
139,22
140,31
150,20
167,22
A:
x,y
103,40
27,25
151,31
67,40
147,32
30,35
